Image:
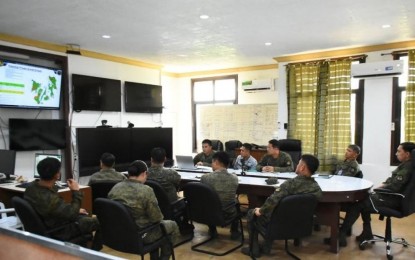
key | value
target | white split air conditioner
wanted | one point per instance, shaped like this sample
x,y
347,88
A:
x,y
377,69
258,84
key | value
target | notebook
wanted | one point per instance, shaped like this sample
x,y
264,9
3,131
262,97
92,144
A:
x,y
185,162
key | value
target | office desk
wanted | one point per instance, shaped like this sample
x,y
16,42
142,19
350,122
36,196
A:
x,y
9,190
336,190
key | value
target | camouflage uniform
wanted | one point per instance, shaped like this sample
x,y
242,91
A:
x,y
297,185
283,163
250,164
396,183
205,159
106,175
169,179
142,202
347,168
55,211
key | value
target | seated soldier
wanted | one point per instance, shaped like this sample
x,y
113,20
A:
x,y
275,160
303,183
43,196
225,184
142,202
245,160
349,167
107,172
205,157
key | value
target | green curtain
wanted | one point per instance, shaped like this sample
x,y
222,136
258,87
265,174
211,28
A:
x,y
319,108
410,99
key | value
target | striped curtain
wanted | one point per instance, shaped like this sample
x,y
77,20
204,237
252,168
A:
x,y
410,100
319,109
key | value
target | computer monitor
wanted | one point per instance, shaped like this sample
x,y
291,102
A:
x,y
7,162
39,157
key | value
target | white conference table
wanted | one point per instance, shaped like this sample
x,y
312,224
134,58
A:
x,y
336,190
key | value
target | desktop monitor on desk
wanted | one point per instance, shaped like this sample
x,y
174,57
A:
x,y
7,163
39,157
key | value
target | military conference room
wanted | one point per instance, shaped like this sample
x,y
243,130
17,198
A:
x,y
209,129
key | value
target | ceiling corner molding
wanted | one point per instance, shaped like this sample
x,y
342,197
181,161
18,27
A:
x,y
32,43
345,52
229,70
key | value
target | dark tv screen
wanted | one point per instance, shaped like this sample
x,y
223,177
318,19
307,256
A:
x,y
37,134
96,94
29,86
7,162
143,98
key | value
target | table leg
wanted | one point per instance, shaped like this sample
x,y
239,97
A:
x,y
328,214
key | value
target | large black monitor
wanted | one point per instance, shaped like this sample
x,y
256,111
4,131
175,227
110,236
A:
x,y
29,86
96,94
7,162
143,98
37,134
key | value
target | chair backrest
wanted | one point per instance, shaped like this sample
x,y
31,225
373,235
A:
x,y
293,217
29,217
231,145
293,148
101,189
203,204
217,145
162,198
118,228
407,204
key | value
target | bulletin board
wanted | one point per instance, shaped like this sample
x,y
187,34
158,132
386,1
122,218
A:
x,y
256,123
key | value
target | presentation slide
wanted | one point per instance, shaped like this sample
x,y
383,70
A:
x,y
25,85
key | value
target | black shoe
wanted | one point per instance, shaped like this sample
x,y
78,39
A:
x,y
247,251
186,229
362,237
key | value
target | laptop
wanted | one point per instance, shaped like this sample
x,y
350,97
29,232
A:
x,y
39,157
185,162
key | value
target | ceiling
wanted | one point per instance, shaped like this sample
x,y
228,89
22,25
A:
x,y
171,32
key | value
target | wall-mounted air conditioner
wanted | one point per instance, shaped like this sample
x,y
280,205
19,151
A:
x,y
258,84
377,69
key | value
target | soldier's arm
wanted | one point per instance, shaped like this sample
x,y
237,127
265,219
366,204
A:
x,y
196,159
398,181
287,165
273,200
261,164
153,210
66,211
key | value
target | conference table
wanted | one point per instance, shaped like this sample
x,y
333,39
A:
x,y
336,190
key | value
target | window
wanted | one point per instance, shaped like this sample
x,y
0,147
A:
x,y
398,108
211,91
356,112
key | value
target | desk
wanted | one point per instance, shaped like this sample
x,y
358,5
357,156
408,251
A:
x,y
9,190
336,190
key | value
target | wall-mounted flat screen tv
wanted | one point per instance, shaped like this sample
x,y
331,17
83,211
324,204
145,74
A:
x,y
143,98
96,94
37,134
29,86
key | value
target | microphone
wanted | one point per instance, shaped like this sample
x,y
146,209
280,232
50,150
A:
x,y
243,167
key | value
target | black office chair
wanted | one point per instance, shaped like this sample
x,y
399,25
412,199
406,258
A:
x,y
407,208
293,148
101,189
291,221
33,223
171,210
120,232
217,145
205,207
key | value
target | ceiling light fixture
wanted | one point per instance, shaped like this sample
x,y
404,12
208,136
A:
x,y
204,16
105,36
268,43
385,26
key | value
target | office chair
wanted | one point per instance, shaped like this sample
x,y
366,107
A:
x,y
293,148
33,223
120,232
205,207
9,221
171,210
217,145
230,147
406,208
101,189
289,221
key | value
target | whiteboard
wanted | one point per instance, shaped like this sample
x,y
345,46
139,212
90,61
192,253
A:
x,y
256,123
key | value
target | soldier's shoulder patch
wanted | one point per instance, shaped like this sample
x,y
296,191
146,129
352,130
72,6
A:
x,y
277,189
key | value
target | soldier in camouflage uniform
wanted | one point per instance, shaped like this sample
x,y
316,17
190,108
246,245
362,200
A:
x,y
205,158
349,167
225,184
303,183
55,212
395,183
142,202
169,179
275,160
107,172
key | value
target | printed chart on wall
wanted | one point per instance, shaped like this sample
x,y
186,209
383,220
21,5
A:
x,y
248,123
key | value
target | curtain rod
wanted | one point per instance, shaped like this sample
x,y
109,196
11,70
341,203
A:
x,y
355,57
